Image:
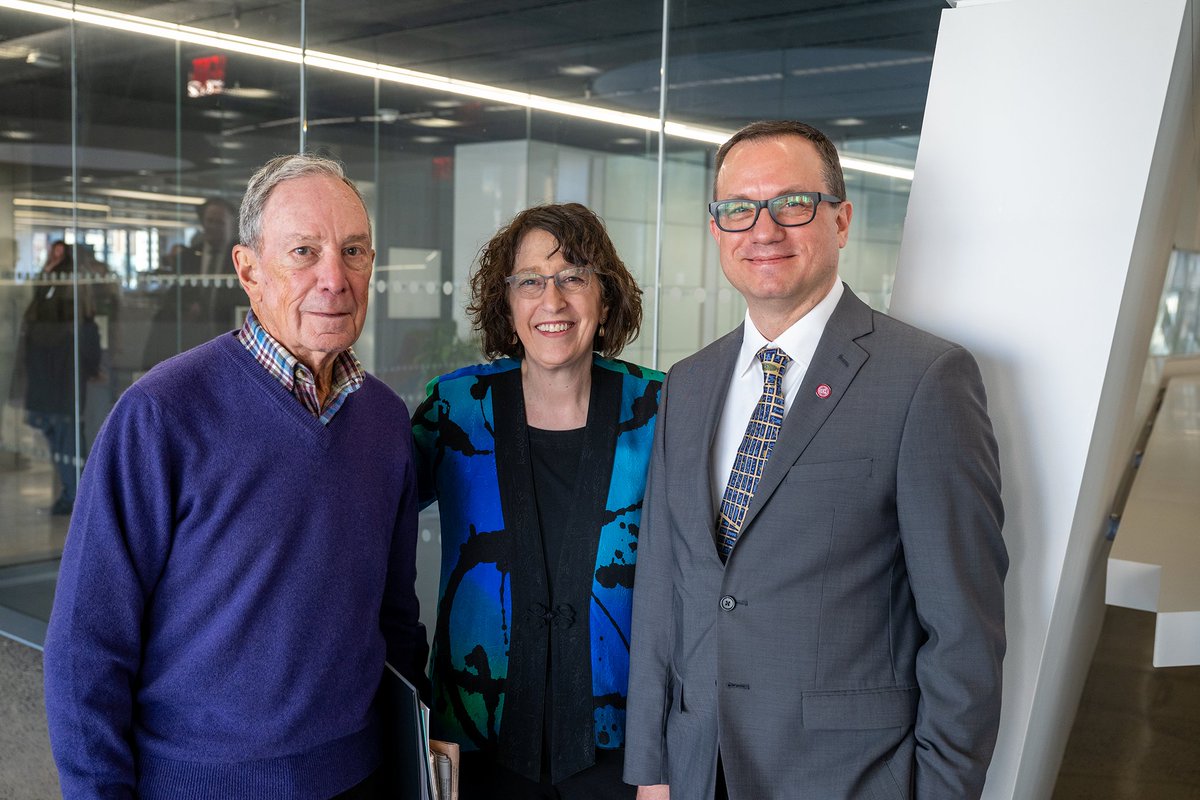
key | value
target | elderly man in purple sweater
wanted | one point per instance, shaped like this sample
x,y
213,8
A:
x,y
241,557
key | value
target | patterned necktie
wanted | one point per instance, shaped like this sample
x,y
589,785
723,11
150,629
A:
x,y
755,448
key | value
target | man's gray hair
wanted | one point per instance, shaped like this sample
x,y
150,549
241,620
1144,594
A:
x,y
275,172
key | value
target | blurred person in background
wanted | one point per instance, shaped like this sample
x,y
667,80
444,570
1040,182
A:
x,y
48,372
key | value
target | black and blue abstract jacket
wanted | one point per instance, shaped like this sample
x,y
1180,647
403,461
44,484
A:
x,y
496,624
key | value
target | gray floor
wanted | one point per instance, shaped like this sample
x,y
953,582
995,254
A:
x,y
26,769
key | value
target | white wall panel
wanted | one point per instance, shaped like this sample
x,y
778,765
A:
x,y
1041,217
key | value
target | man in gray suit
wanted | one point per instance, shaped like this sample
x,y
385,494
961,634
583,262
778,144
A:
x,y
832,624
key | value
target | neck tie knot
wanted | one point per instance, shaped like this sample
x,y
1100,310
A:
x,y
774,361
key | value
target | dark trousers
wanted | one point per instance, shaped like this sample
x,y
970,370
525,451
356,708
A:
x,y
480,778
373,788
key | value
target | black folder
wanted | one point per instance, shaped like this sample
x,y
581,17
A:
x,y
405,737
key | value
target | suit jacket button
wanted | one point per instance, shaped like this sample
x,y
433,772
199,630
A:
x,y
728,603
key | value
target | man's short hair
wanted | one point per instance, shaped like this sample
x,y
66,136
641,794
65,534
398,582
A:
x,y
835,182
275,172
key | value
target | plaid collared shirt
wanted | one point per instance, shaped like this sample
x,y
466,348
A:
x,y
298,379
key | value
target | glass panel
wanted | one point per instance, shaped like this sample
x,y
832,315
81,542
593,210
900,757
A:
x,y
39,286
858,73
166,131
144,190
1177,328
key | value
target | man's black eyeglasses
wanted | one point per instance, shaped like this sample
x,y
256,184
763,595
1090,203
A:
x,y
789,210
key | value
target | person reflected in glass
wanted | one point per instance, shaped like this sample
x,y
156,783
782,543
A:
x,y
204,301
51,372
538,462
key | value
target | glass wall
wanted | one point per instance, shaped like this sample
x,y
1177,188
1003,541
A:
x,y
130,128
1177,327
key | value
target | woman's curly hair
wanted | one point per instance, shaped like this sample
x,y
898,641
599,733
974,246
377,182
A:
x,y
583,242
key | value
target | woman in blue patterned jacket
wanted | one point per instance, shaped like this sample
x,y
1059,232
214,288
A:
x,y
538,463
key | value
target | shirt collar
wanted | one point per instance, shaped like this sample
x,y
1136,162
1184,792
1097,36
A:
x,y
347,370
799,341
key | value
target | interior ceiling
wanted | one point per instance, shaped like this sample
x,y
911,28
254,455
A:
x,y
857,68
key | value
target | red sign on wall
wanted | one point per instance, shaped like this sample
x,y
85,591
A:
x,y
207,76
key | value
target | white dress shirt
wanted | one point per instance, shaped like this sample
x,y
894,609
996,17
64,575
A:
x,y
746,386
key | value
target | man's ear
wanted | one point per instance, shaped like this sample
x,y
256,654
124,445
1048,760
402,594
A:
x,y
245,263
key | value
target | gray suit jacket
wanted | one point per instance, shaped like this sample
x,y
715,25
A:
x,y
851,647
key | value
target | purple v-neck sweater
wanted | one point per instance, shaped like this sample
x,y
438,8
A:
x,y
234,573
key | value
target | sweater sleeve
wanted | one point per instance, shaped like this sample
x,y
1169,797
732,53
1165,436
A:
x,y
407,646
115,550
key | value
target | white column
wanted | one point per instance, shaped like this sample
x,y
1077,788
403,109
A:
x,y
1057,144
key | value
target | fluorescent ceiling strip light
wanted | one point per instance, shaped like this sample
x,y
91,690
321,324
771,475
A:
x,y
94,223
30,202
876,168
399,75
154,197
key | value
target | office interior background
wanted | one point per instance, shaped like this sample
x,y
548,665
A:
x,y
120,120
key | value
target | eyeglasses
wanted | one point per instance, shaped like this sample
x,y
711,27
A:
x,y
571,280
788,210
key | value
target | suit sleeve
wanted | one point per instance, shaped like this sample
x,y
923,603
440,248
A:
x,y
948,502
407,645
116,549
649,655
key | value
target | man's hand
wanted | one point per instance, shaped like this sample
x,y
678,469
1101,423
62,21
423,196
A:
x,y
658,792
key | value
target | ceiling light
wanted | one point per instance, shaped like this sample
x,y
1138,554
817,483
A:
x,y
332,121
848,122
230,144
435,122
49,218
877,168
220,113
245,45
222,162
154,197
578,70
627,140
427,139
249,93
143,222
33,202
19,136
445,103
37,58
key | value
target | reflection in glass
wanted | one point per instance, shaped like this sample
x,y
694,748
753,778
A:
x,y
133,150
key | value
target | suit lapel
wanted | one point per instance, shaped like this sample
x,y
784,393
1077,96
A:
x,y
699,398
835,364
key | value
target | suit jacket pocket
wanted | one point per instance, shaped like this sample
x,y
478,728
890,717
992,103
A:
x,y
677,692
860,710
830,470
